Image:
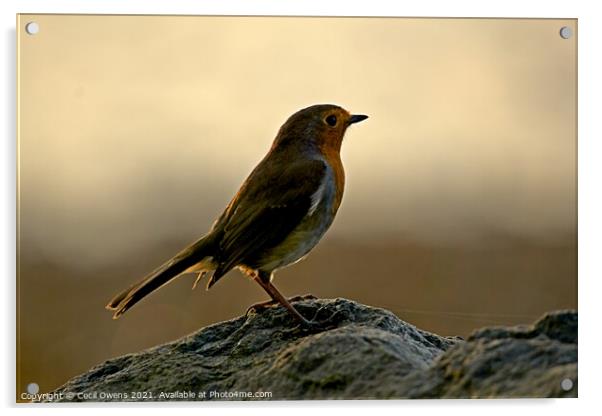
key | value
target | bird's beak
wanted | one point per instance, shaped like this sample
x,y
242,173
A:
x,y
356,118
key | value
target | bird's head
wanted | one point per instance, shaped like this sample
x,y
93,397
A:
x,y
323,125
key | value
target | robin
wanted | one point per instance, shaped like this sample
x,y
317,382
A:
x,y
278,215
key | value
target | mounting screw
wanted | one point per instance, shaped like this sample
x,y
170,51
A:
x,y
566,32
32,28
566,384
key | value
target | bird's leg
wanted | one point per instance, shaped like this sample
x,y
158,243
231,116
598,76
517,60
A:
x,y
263,279
256,307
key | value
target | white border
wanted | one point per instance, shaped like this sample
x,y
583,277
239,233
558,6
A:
x,y
590,202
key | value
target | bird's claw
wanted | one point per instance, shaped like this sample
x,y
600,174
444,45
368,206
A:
x,y
315,325
260,306
307,296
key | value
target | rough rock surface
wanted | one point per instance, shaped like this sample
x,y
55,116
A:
x,y
369,353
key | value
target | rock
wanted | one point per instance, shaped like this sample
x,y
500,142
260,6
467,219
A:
x,y
369,353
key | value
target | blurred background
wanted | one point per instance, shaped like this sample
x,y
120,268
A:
x,y
135,132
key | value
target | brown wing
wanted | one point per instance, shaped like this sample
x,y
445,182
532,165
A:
x,y
269,206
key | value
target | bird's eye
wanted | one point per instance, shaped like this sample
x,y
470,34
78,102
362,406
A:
x,y
331,120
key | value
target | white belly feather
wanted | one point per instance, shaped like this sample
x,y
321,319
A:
x,y
311,229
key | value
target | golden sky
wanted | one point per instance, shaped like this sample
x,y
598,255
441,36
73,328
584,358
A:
x,y
138,129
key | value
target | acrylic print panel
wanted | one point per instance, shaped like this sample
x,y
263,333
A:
x,y
458,213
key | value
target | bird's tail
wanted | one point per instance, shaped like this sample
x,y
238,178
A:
x,y
193,257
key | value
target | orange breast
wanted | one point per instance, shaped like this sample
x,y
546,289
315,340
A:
x,y
333,158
